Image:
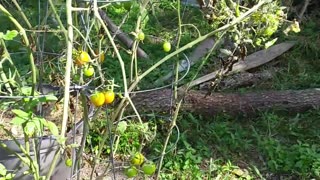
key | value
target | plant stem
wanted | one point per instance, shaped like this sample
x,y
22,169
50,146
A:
x,y
196,41
58,17
22,14
68,68
172,125
85,129
178,44
27,44
53,165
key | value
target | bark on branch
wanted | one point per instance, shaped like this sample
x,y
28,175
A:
x,y
123,37
230,103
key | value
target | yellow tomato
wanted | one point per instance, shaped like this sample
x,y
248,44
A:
x,y
109,97
83,58
97,99
137,159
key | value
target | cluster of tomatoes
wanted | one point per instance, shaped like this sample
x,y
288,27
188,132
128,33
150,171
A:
x,y
82,59
148,167
100,98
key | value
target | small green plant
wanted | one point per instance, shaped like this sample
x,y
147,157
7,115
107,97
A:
x,y
4,175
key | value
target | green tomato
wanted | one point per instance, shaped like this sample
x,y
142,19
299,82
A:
x,y
137,159
131,172
141,36
149,168
88,71
166,46
68,162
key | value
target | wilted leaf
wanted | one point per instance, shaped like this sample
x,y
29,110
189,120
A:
x,y
238,172
122,126
270,43
226,52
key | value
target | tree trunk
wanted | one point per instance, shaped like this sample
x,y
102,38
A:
x,y
230,103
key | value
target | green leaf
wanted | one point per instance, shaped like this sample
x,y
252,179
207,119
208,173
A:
x,y
37,123
10,176
122,126
3,170
10,35
20,113
53,128
48,98
51,98
18,121
30,128
270,43
43,121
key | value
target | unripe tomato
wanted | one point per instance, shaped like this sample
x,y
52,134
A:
x,y
131,172
68,162
166,46
137,159
149,168
88,71
97,99
109,97
141,36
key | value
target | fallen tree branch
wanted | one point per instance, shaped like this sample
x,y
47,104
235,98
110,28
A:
x,y
243,79
252,61
123,37
230,103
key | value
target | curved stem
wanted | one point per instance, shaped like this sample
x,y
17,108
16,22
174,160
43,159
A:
x,y
68,68
27,44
